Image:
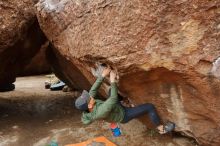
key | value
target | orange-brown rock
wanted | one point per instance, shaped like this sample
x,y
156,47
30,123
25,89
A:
x,y
66,70
21,38
163,51
38,64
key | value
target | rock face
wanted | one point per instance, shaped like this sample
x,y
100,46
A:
x,y
162,50
66,70
38,64
21,38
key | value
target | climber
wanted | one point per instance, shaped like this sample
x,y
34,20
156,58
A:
x,y
111,110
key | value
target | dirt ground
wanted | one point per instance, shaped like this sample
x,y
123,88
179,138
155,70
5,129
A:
x,y
34,116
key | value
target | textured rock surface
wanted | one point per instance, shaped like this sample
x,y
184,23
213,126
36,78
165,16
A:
x,y
38,64
66,70
163,51
21,37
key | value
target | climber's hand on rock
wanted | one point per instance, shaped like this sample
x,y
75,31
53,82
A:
x,y
112,76
106,71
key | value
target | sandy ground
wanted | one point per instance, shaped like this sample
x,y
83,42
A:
x,y
33,116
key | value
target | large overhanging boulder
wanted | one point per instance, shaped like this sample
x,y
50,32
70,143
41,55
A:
x,y
163,51
21,38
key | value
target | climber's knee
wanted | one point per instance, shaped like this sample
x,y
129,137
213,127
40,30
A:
x,y
150,106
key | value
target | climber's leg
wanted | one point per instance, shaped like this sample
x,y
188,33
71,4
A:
x,y
134,112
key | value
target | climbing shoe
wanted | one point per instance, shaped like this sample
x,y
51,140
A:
x,y
167,127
